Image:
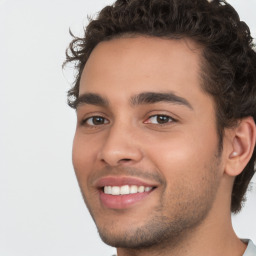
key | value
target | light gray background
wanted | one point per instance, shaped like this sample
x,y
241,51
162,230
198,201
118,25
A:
x,y
41,209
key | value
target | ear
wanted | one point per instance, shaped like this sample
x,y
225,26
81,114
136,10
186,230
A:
x,y
242,141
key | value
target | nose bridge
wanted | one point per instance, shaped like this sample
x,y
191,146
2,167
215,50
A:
x,y
120,145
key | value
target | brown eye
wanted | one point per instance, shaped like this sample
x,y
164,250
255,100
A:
x,y
160,119
96,120
163,119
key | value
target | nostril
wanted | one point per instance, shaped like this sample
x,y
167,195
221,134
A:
x,y
124,160
121,161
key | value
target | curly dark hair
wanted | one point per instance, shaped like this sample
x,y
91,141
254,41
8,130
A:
x,y
229,61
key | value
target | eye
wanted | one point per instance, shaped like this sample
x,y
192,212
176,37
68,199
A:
x,y
159,119
95,120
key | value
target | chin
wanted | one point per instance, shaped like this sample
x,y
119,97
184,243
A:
x,y
159,231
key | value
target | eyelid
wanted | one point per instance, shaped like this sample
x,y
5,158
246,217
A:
x,y
85,121
171,119
161,112
86,117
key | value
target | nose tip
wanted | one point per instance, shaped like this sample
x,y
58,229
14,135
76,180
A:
x,y
123,156
119,149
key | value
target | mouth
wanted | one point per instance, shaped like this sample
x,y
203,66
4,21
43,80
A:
x,y
125,190
122,193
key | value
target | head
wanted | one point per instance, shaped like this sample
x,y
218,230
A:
x,y
220,48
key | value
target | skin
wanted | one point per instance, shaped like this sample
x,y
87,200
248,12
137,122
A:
x,y
189,211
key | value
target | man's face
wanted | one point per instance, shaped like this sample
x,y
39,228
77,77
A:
x,y
146,134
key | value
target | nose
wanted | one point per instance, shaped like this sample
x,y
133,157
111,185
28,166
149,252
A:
x,y
120,147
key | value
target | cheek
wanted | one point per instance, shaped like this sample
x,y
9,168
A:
x,y
185,155
83,156
189,166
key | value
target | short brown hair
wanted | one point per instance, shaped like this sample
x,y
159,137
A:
x,y
228,68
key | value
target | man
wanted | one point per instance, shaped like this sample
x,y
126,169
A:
x,y
164,148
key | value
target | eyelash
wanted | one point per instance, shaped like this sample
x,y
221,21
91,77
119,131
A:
x,y
163,117
105,121
94,118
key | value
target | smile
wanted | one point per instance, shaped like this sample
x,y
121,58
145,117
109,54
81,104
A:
x,y
125,190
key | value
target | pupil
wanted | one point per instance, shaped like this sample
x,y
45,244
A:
x,y
162,119
98,120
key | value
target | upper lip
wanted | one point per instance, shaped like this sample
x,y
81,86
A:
x,y
121,181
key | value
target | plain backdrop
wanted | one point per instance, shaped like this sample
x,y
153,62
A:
x,y
41,210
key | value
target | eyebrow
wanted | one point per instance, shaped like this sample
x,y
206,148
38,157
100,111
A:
x,y
138,99
155,97
91,99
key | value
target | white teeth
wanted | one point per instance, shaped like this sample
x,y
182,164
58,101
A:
x,y
147,189
107,190
133,189
115,190
125,190
141,189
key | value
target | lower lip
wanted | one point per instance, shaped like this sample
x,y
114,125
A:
x,y
122,201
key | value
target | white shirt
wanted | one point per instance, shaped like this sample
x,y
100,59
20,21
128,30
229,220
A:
x,y
251,248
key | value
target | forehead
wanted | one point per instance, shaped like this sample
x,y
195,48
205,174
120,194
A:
x,y
137,64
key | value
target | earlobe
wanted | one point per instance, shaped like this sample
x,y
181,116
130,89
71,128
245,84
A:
x,y
243,143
